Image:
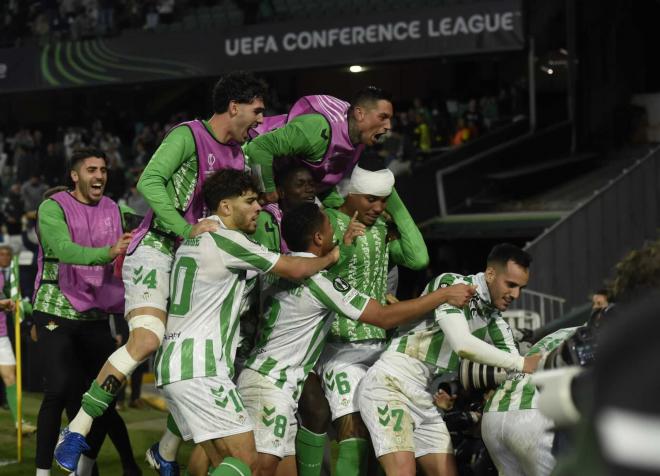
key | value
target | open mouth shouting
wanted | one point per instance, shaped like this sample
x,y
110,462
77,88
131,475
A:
x,y
379,137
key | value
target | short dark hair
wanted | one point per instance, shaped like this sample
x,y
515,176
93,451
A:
x,y
238,86
226,183
82,153
372,162
603,292
504,252
285,174
299,225
369,95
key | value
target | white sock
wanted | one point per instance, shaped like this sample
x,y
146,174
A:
x,y
85,465
168,446
43,472
82,423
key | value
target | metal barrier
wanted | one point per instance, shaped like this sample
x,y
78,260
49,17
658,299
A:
x,y
575,256
547,306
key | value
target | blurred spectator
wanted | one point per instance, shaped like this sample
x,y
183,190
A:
x,y
151,17
462,134
488,105
106,17
13,209
116,185
32,192
422,133
53,165
600,300
473,117
72,139
141,157
136,201
25,162
165,10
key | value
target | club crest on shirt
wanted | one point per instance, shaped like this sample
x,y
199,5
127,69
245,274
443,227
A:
x,y
340,285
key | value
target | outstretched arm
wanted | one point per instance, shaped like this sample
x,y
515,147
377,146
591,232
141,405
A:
x,y
403,312
467,346
298,268
306,136
409,249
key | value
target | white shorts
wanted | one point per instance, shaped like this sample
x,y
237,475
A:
x,y
146,276
519,442
6,352
341,367
273,412
399,412
207,408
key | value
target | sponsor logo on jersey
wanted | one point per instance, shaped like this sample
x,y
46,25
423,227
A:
x,y
51,326
340,285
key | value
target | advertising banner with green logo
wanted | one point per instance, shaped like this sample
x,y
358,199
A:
x,y
137,56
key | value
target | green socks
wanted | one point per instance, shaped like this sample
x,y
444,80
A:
x,y
352,457
309,452
96,400
171,425
232,467
10,391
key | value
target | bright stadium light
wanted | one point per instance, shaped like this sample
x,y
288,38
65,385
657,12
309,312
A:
x,y
356,68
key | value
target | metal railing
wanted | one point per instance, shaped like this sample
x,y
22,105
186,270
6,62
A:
x,y
577,254
545,305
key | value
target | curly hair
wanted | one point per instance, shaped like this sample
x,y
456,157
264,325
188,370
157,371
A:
x,y
237,86
226,183
637,272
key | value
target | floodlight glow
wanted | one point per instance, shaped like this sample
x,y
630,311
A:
x,y
356,68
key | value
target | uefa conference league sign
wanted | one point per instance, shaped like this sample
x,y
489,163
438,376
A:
x,y
137,56
455,29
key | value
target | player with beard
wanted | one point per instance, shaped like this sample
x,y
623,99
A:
x,y
80,235
195,363
324,134
394,397
171,184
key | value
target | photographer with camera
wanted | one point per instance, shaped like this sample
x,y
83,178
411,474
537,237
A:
x,y
395,397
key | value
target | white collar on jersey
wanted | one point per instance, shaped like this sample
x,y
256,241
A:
x,y
215,218
482,287
303,254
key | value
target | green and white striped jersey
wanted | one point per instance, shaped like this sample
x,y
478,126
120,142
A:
x,y
364,265
518,392
296,320
425,340
206,289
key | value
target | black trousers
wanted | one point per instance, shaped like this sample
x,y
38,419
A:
x,y
72,353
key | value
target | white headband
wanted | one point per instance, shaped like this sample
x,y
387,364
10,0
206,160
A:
x,y
378,183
